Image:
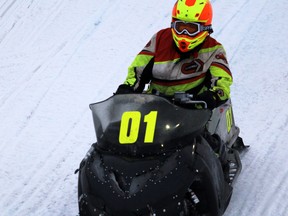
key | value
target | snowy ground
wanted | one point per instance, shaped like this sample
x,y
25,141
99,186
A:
x,y
57,57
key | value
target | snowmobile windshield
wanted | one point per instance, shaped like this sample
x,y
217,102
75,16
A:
x,y
141,124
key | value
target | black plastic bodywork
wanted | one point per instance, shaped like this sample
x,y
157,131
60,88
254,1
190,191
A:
x,y
176,174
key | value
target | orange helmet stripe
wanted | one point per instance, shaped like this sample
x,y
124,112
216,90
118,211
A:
x,y
193,11
190,2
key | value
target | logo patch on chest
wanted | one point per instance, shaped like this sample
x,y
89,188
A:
x,y
192,67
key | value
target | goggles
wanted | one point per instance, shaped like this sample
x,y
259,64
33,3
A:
x,y
189,28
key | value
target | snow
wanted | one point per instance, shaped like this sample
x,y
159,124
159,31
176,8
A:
x,y
57,57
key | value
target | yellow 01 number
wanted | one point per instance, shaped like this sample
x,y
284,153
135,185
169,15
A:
x,y
130,125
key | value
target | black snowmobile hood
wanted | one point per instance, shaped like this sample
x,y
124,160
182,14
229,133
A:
x,y
141,124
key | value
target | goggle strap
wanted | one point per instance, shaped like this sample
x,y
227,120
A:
x,y
208,28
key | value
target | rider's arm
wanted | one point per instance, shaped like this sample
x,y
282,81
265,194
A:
x,y
221,77
140,71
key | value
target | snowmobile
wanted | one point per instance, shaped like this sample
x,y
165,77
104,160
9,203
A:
x,y
152,157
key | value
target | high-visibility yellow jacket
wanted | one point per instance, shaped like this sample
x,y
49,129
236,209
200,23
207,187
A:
x,y
167,70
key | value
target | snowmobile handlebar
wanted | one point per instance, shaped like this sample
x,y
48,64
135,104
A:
x,y
183,98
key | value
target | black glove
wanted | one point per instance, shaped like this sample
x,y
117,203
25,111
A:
x,y
124,89
211,99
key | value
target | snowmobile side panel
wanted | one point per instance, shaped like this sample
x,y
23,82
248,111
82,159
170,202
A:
x,y
222,123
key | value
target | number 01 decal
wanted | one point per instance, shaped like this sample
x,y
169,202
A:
x,y
229,119
130,125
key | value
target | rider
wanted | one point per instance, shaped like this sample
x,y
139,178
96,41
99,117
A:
x,y
183,58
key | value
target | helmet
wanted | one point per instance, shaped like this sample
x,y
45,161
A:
x,y
198,12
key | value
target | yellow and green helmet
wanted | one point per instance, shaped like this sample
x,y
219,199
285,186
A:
x,y
188,16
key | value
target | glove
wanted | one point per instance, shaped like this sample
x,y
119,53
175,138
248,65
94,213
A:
x,y
209,97
124,89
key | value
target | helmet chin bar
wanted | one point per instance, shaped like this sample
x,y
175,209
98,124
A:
x,y
186,43
183,46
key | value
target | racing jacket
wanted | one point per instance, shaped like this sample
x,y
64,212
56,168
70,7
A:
x,y
167,70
